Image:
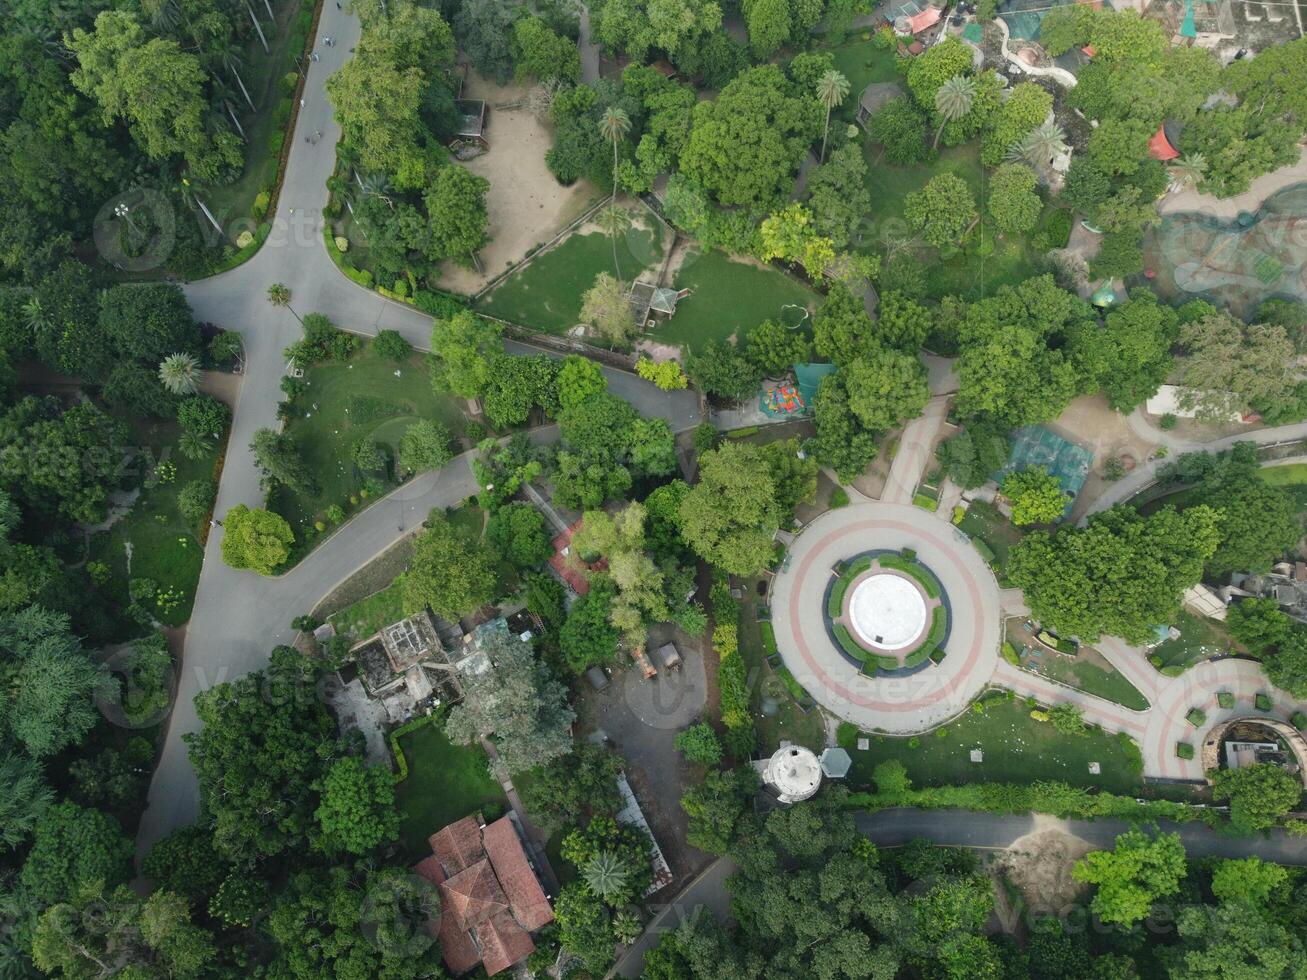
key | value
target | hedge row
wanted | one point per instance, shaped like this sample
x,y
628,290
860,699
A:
x,y
401,763
1056,798
923,577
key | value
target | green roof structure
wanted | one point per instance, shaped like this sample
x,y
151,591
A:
x,y
1034,445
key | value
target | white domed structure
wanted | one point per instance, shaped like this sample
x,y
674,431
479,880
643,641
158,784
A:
x,y
888,612
793,772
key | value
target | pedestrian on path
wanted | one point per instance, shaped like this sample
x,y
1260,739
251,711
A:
x,y
314,56
301,103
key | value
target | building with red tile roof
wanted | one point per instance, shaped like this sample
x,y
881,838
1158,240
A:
x,y
1160,146
569,568
491,900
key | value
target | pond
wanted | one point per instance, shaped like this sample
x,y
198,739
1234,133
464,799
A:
x,y
1236,264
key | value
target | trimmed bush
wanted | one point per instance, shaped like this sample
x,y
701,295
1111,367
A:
x,y
1225,700
938,654
835,604
1299,720
1038,714
918,656
925,502
1263,702
1010,654
985,551
1184,750
839,497
1196,717
848,644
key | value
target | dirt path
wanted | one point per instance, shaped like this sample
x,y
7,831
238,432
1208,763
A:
x,y
1230,207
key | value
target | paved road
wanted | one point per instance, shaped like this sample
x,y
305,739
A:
x,y
239,616
708,890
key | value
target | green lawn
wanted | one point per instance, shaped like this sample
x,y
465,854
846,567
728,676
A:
x,y
983,521
345,402
1079,673
789,722
367,616
1017,749
862,62
262,74
968,273
1200,639
728,297
547,294
446,782
1291,478
162,545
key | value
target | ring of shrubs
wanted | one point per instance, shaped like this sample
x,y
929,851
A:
x,y
871,662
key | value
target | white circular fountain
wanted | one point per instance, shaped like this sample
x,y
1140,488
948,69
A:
x,y
887,611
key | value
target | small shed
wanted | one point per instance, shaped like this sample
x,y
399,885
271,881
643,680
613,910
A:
x,y
875,97
835,762
668,656
597,678
650,302
471,120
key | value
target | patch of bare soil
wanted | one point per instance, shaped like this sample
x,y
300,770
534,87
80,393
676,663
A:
x,y
525,205
1039,866
1090,422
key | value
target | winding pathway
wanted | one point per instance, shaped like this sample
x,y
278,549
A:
x,y
238,616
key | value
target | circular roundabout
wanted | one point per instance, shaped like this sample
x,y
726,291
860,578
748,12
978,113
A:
x,y
887,616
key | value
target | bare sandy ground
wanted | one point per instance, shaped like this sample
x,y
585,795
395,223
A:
x,y
1039,865
526,205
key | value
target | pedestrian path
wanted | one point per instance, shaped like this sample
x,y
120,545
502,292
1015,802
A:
x,y
915,450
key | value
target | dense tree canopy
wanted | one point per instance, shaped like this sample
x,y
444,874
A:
x,y
745,146
1120,575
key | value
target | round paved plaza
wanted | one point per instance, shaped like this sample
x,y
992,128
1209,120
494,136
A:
x,y
926,697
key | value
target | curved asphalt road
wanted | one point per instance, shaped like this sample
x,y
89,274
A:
x,y
239,616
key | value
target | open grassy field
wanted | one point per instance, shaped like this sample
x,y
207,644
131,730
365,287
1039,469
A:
x,y
153,541
983,521
728,298
1079,672
1200,639
446,782
862,62
367,616
968,273
346,401
546,295
1017,749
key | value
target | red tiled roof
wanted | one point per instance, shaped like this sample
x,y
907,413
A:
x,y
521,886
491,903
472,896
503,943
458,846
1160,148
572,570
459,949
927,18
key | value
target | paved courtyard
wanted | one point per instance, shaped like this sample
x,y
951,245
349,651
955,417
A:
x,y
899,705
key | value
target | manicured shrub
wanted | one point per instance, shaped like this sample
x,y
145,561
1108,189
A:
x,y
1264,702
1225,700
1196,717
1184,750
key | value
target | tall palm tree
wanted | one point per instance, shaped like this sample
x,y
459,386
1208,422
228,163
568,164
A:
x,y
614,220
233,59
279,295
614,124
1039,147
1186,172
626,926
605,875
34,315
953,101
180,374
832,88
